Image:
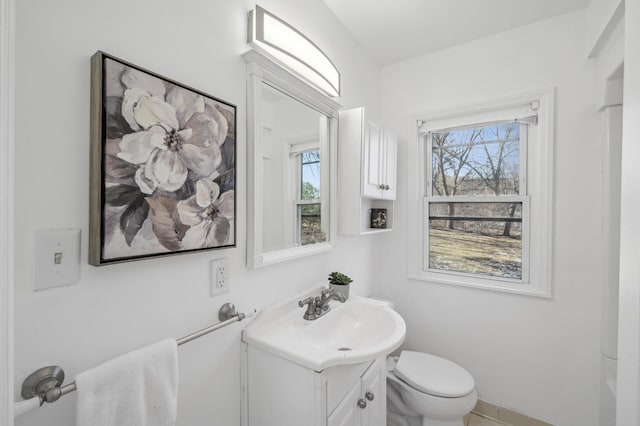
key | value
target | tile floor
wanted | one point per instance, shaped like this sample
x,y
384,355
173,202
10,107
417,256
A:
x,y
475,420
487,414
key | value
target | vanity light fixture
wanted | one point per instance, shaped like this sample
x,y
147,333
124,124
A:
x,y
273,37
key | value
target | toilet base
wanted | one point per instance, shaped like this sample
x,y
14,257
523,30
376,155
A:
x,y
435,422
398,414
395,419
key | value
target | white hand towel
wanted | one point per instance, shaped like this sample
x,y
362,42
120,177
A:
x,y
136,389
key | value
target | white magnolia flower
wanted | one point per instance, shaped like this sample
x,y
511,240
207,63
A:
x,y
175,132
208,213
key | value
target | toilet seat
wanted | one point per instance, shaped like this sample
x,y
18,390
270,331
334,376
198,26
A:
x,y
433,375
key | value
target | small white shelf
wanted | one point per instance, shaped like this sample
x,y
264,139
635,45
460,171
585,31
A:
x,y
368,231
366,204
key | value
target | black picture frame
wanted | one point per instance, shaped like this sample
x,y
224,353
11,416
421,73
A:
x,y
163,166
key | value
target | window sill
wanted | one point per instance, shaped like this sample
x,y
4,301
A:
x,y
505,286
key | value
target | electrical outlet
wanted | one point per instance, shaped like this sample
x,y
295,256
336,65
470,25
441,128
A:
x,y
219,275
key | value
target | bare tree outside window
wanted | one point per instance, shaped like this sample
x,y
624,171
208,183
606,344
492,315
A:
x,y
309,206
467,235
450,164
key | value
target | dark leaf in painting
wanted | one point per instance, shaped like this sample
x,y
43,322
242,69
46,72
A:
x,y
112,147
116,125
228,153
111,222
133,218
117,168
187,190
181,228
222,230
121,195
226,181
166,225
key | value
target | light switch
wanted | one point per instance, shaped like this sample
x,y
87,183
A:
x,y
57,258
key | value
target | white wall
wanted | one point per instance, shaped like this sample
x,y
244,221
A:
x,y
602,17
537,356
7,27
628,408
114,309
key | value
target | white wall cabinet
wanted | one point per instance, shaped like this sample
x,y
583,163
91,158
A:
x,y
379,151
367,169
279,392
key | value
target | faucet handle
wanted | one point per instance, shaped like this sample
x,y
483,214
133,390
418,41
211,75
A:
x,y
308,301
312,307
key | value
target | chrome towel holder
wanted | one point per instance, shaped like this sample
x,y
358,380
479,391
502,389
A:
x,y
46,382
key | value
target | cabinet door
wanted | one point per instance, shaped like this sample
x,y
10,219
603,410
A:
x,y
374,389
347,413
371,161
389,166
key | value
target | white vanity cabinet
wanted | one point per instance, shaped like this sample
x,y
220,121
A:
x,y
279,392
367,170
366,403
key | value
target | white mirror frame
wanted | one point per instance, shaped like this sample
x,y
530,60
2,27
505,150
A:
x,y
261,69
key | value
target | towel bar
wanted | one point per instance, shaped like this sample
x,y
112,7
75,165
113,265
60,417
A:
x,y
46,383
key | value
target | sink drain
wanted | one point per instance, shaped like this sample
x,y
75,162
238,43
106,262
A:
x,y
344,349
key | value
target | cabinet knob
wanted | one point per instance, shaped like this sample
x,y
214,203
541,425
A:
x,y
381,186
369,395
386,187
362,403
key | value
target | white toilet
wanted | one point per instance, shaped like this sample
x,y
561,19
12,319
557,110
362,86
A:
x,y
434,390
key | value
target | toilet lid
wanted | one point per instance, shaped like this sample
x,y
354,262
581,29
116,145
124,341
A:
x,y
434,375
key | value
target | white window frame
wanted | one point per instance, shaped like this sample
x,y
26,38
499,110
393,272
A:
x,y
537,173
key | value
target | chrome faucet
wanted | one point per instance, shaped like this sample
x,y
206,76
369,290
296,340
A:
x,y
319,305
329,294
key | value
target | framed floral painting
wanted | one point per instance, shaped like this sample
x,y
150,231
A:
x,y
162,166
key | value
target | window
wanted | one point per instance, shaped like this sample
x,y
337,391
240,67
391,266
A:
x,y
308,205
474,200
480,172
307,181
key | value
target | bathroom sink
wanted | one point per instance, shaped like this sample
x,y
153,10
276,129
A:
x,y
359,330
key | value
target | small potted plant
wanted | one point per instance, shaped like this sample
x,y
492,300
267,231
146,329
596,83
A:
x,y
340,283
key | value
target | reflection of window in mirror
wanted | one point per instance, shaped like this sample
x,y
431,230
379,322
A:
x,y
308,208
295,211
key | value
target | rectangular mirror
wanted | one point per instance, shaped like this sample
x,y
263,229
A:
x,y
292,137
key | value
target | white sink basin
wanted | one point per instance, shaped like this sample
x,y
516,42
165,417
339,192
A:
x,y
359,330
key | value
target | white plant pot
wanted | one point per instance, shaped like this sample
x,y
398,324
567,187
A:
x,y
341,289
